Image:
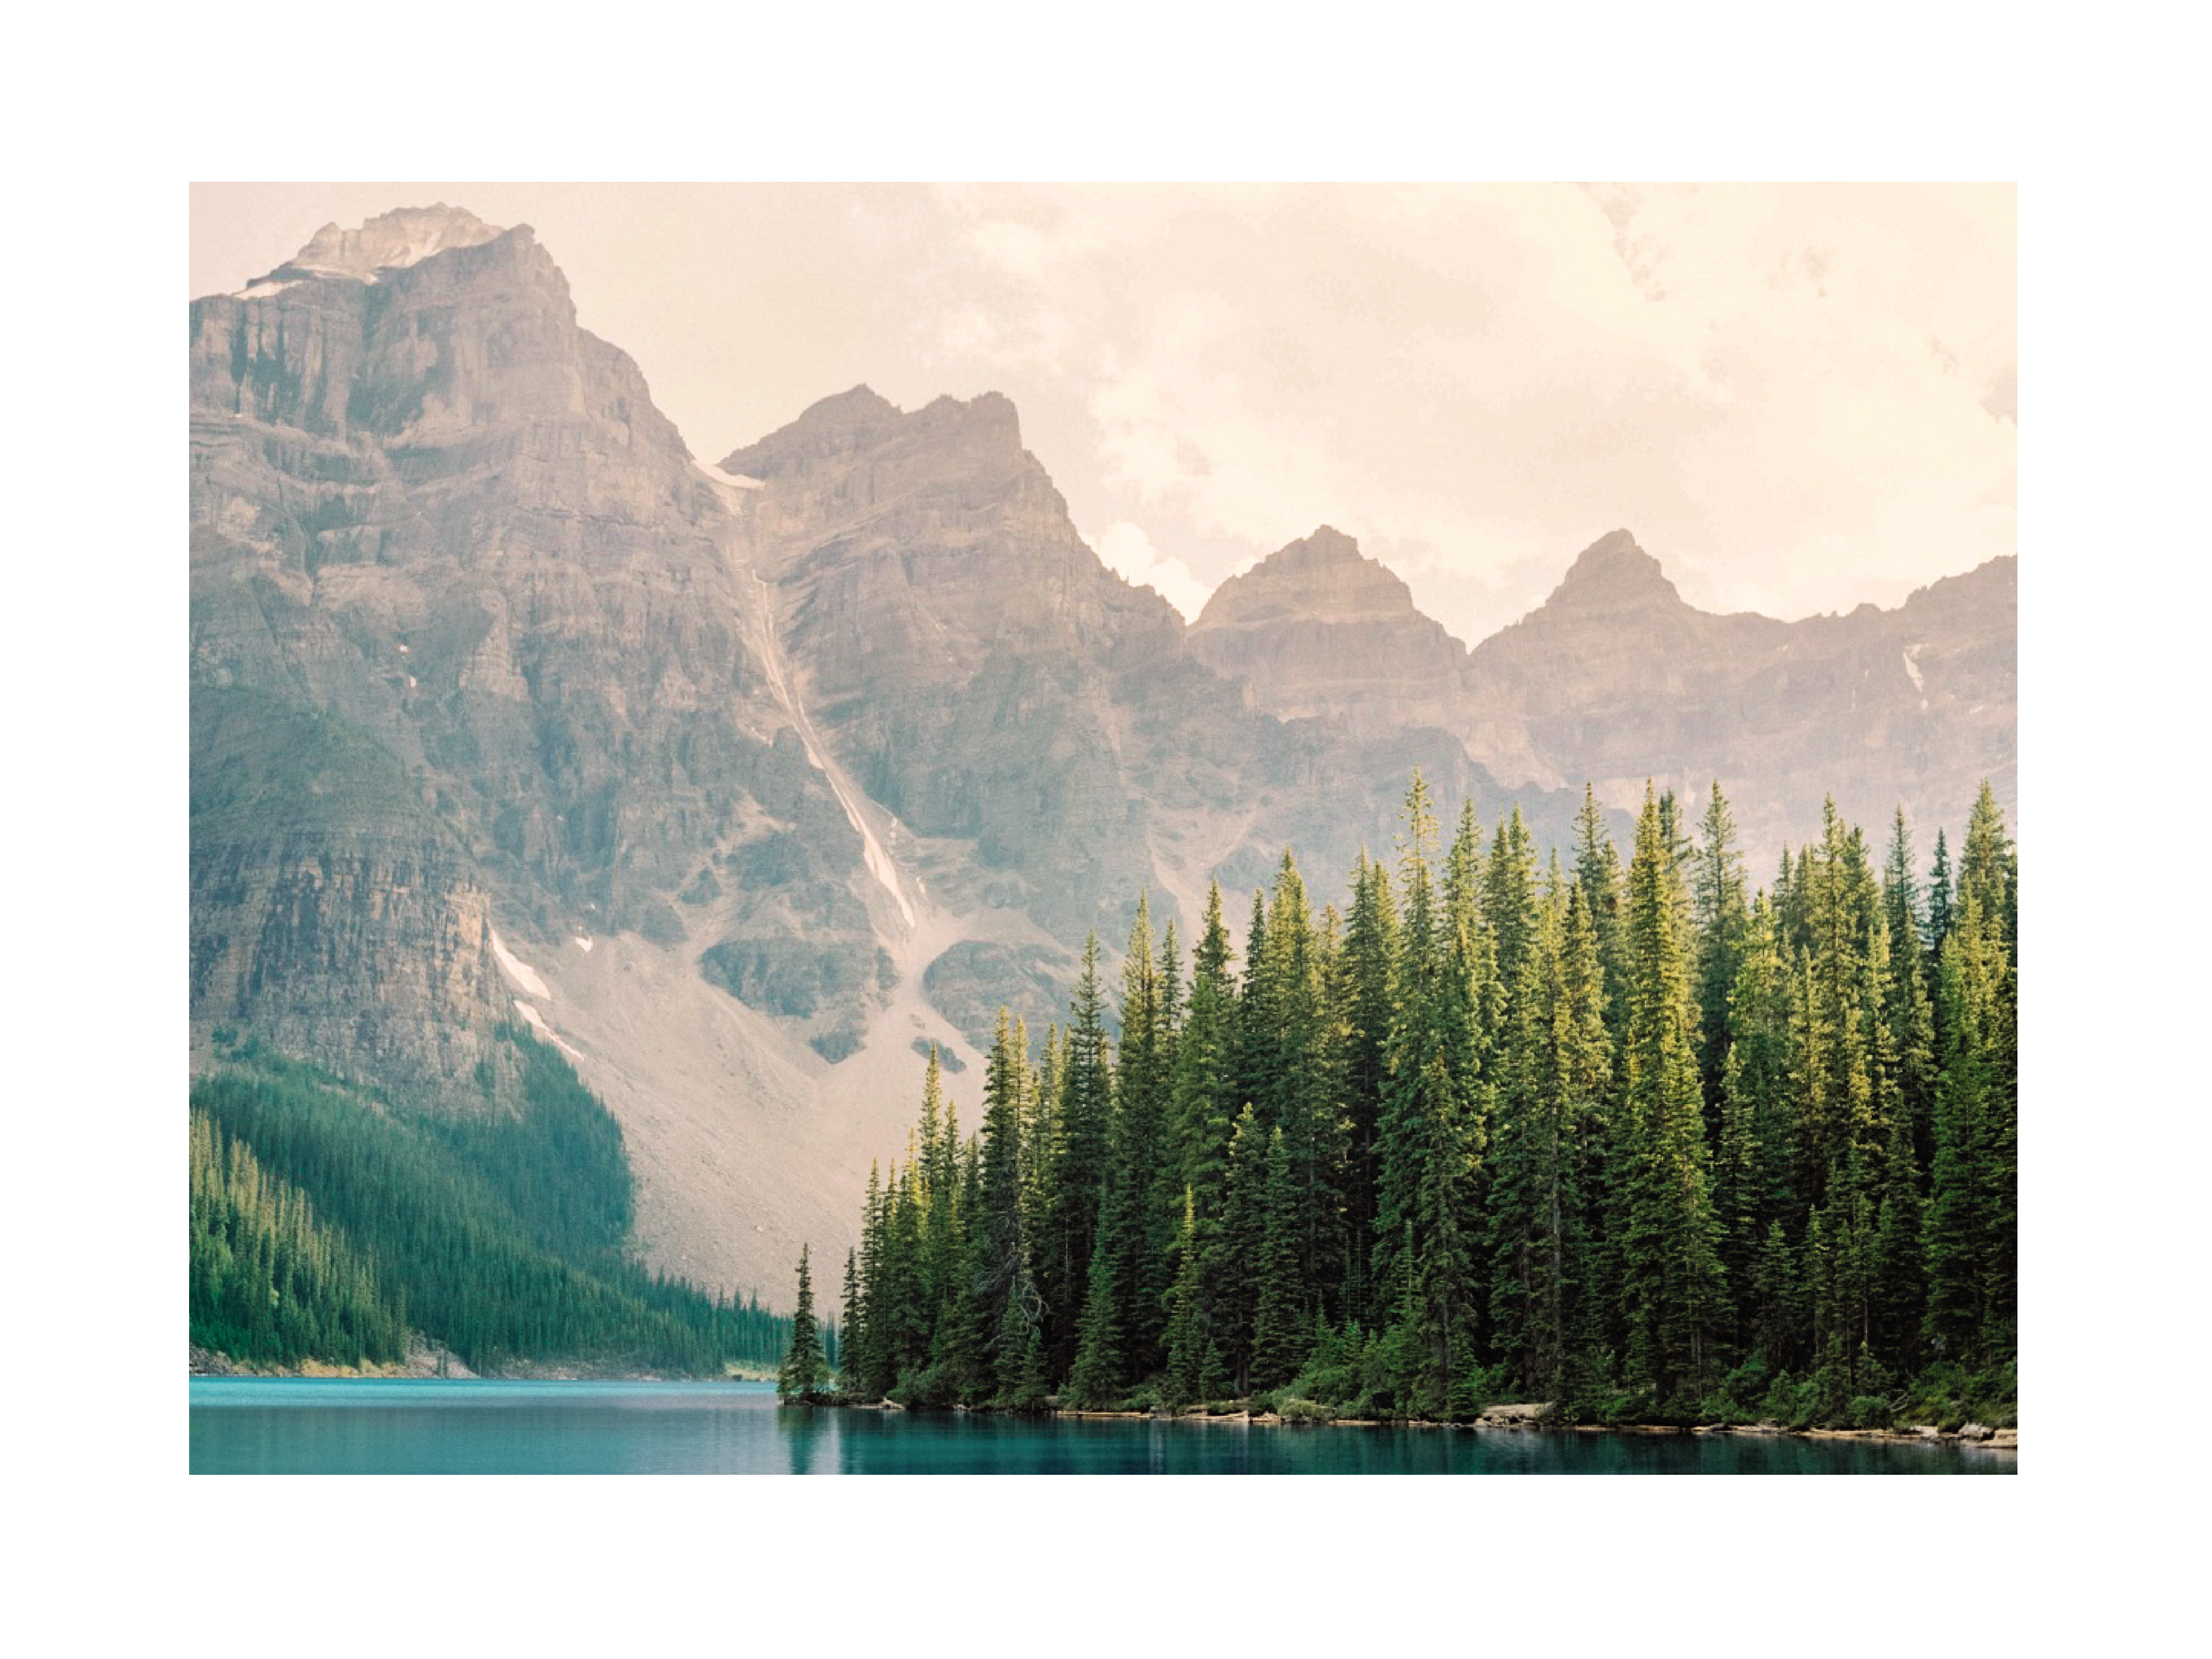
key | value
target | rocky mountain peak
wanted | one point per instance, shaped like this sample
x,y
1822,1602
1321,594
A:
x,y
1614,570
1323,576
986,422
859,453
404,236
1318,629
1327,546
847,411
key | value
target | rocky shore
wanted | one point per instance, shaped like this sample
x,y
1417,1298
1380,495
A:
x,y
428,1359
424,1359
1535,1416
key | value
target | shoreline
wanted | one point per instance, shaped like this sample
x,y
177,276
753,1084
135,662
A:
x,y
422,1365
1522,1418
431,1362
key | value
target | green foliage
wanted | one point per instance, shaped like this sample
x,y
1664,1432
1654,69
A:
x,y
499,1263
269,1283
1634,1143
804,1369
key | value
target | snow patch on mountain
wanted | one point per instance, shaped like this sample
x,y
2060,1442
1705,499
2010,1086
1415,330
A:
x,y
516,969
536,1021
729,480
406,236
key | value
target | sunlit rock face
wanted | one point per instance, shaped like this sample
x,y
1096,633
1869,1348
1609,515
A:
x,y
763,773
1615,678
432,509
1319,630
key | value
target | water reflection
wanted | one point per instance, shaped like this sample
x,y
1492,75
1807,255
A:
x,y
249,1425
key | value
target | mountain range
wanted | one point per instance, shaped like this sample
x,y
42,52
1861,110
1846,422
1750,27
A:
x,y
745,782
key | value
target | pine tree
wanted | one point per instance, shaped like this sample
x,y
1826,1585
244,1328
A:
x,y
1142,1085
1186,1336
1278,1323
1229,1259
1971,1227
851,1341
1305,1105
1598,873
1721,916
1201,1106
1939,902
1988,870
1672,1290
1370,950
1096,1379
873,1367
1079,1175
804,1370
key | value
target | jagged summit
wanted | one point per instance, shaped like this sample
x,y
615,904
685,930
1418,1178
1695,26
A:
x,y
1613,569
404,236
861,406
1327,545
1323,576
980,436
1318,629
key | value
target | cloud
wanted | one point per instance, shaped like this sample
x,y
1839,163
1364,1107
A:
x,y
1126,548
1791,394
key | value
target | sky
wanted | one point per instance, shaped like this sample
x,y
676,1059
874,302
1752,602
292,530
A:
x,y
1798,397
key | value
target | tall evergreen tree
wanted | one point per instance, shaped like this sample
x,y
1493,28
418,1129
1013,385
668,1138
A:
x,y
850,1339
1186,1332
1079,1177
1939,902
1279,1322
1598,873
1672,1295
1097,1377
1370,949
1722,915
804,1369
1142,1086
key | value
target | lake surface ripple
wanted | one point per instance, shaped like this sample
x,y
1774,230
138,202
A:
x,y
256,1426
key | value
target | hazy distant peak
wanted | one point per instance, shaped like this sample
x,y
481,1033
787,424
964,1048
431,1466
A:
x,y
1323,575
404,236
983,431
1614,568
1327,546
861,406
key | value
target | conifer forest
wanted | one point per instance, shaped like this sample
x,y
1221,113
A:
x,y
1631,1136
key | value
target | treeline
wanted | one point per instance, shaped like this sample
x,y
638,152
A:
x,y
503,1237
1634,1140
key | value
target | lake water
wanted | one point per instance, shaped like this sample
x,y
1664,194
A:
x,y
250,1426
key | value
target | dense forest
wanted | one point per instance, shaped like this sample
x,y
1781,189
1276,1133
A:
x,y
326,1224
1635,1140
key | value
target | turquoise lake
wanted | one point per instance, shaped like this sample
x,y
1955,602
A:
x,y
250,1426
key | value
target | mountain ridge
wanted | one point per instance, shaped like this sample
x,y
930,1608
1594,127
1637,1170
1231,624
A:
x,y
737,780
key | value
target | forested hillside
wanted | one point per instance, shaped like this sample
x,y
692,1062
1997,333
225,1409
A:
x,y
1631,1138
326,1224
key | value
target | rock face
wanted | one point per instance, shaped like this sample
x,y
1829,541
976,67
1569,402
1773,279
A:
x,y
431,510
505,708
1045,737
1321,631
332,915
746,783
1616,679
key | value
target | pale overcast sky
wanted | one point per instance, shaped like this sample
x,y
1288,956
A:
x,y
1798,397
